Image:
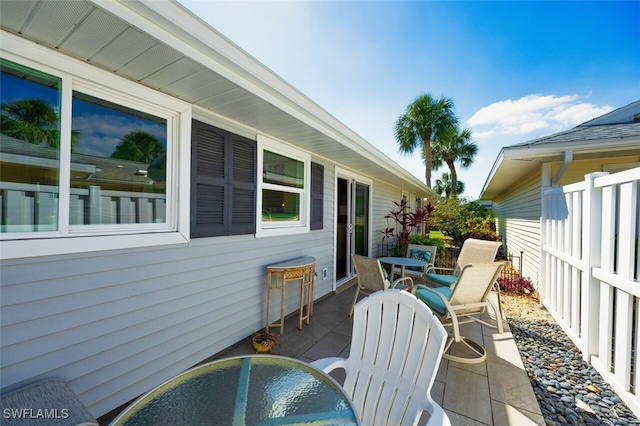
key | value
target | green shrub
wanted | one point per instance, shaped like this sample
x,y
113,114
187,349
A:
x,y
481,228
461,219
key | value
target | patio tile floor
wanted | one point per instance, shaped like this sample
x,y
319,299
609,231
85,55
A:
x,y
495,392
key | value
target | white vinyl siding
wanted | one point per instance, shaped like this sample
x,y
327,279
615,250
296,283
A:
x,y
517,215
116,324
382,201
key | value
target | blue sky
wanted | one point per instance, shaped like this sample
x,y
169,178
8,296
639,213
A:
x,y
515,70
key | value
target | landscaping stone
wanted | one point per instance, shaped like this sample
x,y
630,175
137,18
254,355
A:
x,y
568,389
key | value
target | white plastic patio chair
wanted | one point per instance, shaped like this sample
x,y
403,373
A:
x,y
396,347
465,302
372,277
420,252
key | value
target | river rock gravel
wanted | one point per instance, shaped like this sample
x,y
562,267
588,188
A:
x,y
568,389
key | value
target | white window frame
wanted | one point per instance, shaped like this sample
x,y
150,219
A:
x,y
80,76
268,229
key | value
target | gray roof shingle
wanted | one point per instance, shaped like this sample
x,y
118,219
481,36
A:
x,y
588,133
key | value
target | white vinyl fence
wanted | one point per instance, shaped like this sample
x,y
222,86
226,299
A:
x,y
590,273
34,207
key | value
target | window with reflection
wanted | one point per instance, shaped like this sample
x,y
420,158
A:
x,y
99,162
29,149
118,164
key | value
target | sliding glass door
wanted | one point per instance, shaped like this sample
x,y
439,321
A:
x,y
352,223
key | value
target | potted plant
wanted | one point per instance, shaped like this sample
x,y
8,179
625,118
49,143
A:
x,y
263,342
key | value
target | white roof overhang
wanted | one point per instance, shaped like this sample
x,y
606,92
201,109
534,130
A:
x,y
162,45
517,161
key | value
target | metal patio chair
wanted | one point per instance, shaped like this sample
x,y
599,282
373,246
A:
x,y
465,302
472,251
372,277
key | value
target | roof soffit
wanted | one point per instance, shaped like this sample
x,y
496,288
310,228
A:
x,y
163,46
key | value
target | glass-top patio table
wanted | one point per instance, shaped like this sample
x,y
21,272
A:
x,y
247,390
403,262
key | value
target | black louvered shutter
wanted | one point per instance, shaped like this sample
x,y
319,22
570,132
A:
x,y
243,186
317,196
223,182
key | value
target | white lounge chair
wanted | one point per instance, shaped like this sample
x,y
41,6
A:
x,y
465,302
472,251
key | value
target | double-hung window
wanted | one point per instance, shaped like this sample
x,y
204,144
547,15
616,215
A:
x,y
81,158
284,175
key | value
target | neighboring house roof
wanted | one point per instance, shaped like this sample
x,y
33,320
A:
x,y
615,134
162,45
89,169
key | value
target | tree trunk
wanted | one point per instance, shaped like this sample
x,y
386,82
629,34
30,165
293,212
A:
x,y
428,159
454,177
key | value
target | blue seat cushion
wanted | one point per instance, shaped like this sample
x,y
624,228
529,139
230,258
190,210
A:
x,y
425,256
433,300
444,280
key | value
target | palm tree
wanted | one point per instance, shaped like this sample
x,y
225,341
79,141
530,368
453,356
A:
x,y
443,185
32,120
35,121
452,145
423,120
139,146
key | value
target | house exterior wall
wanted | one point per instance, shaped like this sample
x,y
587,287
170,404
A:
x,y
518,210
114,324
383,202
517,213
116,320
577,169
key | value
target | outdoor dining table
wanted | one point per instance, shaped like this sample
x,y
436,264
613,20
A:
x,y
403,262
245,390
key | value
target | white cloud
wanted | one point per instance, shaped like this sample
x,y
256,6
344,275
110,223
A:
x,y
514,121
532,116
